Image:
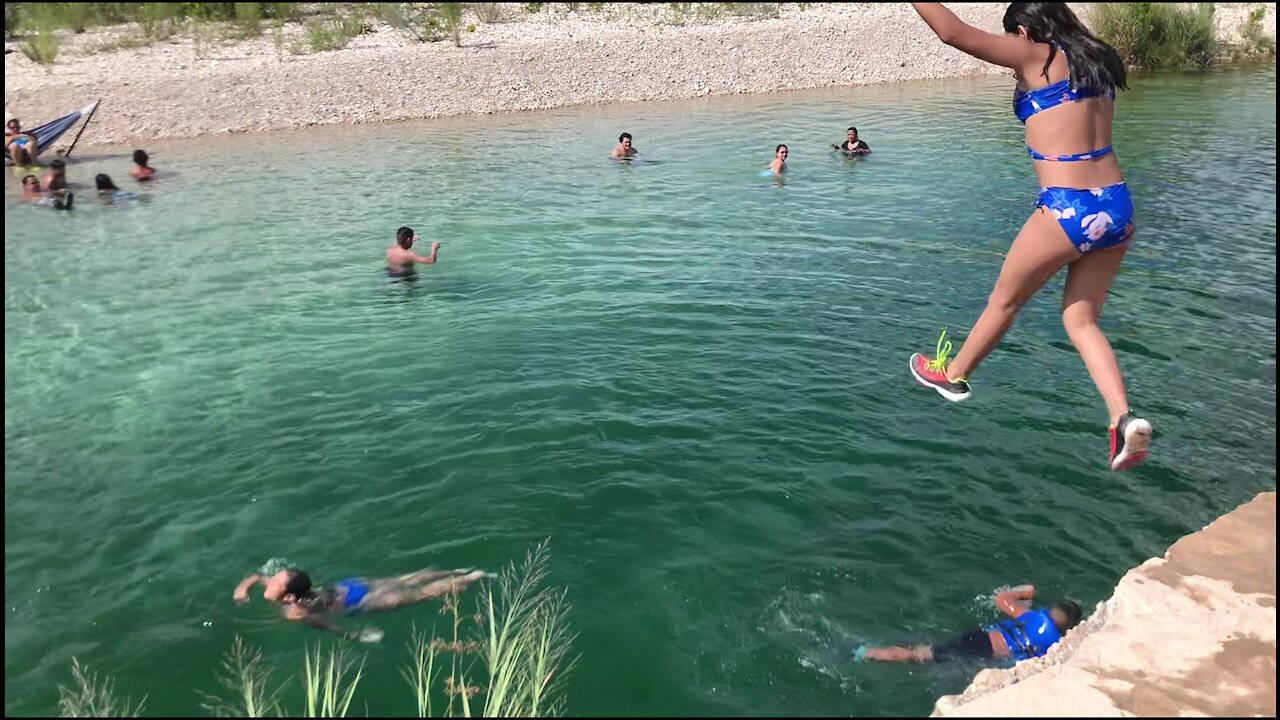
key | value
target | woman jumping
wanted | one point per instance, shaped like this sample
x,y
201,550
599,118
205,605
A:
x,y
1083,217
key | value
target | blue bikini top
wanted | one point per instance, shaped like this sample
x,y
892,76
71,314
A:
x,y
1029,102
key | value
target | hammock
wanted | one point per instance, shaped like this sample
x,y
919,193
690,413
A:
x,y
48,133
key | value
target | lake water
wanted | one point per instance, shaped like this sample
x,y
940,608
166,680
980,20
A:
x,y
691,378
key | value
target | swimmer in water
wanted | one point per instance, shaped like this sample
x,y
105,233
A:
x,y
1026,634
32,193
779,164
293,590
31,188
1083,217
141,171
400,259
624,149
852,145
55,181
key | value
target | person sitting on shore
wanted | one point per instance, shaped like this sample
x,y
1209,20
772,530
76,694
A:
x,y
852,145
1026,634
401,260
15,140
779,164
141,171
293,590
55,181
23,162
624,149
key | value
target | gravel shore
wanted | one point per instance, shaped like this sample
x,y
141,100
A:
x,y
553,58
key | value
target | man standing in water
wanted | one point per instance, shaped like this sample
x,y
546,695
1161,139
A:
x,y
401,260
624,149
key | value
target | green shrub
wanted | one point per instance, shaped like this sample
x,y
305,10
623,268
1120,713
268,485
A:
x,y
451,12
532,7
1254,41
39,27
334,33
488,12
1158,35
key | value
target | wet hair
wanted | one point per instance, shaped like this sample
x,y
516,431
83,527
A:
x,y
24,156
624,136
404,237
140,157
103,182
35,180
852,129
1070,612
58,164
298,585
1094,64
775,150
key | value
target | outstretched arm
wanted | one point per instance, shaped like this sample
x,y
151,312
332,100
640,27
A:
x,y
1008,602
241,593
435,247
1006,50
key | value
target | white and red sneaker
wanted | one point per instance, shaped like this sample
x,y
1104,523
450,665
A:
x,y
933,373
1130,441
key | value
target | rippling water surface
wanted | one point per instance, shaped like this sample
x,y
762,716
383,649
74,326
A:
x,y
693,379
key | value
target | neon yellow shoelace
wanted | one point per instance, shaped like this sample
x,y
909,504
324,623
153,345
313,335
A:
x,y
939,360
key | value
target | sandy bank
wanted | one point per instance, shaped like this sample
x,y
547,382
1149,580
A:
x,y
1192,633
554,58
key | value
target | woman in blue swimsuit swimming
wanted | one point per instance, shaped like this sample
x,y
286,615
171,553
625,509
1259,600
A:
x,y
292,588
1083,217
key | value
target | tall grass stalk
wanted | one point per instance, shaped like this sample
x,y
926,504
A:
x,y
421,671
527,642
329,691
243,674
90,697
452,13
488,12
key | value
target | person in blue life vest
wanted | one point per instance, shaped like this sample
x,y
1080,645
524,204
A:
x,y
1027,633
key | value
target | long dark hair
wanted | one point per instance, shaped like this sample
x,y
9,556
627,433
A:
x,y
1094,64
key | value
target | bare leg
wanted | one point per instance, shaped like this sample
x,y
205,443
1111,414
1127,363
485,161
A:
x,y
915,653
1088,280
427,575
443,587
1039,251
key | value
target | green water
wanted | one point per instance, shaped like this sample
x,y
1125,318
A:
x,y
692,379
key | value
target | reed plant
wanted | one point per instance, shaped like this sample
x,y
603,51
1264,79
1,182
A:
x,y
1150,36
90,697
39,27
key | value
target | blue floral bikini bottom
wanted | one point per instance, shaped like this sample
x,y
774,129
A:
x,y
1093,218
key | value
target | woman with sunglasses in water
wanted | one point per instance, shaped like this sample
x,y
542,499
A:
x,y
1083,218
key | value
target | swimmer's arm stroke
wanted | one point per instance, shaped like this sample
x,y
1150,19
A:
x,y
1004,50
1007,601
241,593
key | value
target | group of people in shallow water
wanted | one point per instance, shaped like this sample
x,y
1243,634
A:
x,y
53,190
852,146
1082,219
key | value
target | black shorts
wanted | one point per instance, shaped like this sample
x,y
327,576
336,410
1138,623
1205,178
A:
x,y
976,644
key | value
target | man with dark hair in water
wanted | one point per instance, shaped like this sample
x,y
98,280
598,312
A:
x,y
55,181
1026,634
141,170
624,149
292,588
400,259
